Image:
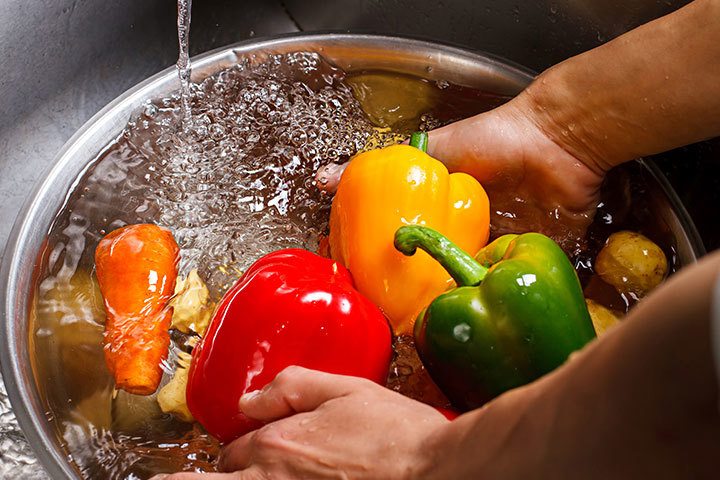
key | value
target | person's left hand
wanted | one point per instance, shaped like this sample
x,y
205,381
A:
x,y
327,426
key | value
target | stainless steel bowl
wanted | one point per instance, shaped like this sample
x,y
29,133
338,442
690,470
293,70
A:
x,y
350,52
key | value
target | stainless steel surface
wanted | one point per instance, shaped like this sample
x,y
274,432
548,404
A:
x,y
348,51
689,242
17,459
63,60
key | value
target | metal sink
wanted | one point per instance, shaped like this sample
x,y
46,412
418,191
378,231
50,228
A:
x,y
64,60
351,52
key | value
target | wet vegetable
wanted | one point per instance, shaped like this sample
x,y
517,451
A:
x,y
136,268
74,308
631,263
171,398
191,305
291,307
603,318
384,189
191,314
501,327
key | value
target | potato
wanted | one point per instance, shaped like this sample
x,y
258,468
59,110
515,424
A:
x,y
393,101
191,313
191,305
171,397
134,414
68,317
92,413
603,318
631,263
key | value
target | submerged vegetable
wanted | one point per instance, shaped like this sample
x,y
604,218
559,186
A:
x,y
171,398
291,307
191,314
136,268
382,190
191,305
603,318
501,327
631,263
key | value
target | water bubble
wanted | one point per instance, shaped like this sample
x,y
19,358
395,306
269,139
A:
x,y
243,173
150,110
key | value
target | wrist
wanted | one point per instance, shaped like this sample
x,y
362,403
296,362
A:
x,y
645,92
487,442
431,456
548,104
436,458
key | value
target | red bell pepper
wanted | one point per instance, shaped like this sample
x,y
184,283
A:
x,y
449,413
291,307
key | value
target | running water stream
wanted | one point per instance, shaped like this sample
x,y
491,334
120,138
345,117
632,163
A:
x,y
183,63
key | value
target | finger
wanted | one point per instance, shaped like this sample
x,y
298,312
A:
x,y
252,473
444,142
199,476
237,454
327,178
297,389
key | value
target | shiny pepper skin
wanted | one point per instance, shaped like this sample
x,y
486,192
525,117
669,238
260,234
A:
x,y
382,190
291,307
517,313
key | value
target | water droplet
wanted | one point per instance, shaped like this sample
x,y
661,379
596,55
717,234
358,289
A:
x,y
462,332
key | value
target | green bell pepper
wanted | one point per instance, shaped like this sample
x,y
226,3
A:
x,y
517,313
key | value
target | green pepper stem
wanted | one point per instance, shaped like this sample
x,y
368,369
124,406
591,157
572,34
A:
x,y
419,140
461,266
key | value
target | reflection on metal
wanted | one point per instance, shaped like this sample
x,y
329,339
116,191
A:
x,y
17,459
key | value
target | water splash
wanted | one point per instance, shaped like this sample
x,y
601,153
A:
x,y
238,186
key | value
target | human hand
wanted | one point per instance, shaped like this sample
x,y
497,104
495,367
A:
x,y
533,182
327,426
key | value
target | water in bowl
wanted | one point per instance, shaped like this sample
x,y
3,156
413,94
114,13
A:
x,y
234,185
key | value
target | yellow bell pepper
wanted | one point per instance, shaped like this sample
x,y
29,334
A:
x,y
382,190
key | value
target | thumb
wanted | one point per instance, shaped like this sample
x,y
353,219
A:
x,y
488,146
453,141
296,390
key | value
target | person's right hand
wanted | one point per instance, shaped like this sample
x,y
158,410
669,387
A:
x,y
324,426
533,182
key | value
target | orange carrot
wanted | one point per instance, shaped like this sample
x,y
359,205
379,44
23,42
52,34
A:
x,y
137,267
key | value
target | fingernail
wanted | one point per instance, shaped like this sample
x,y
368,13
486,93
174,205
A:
x,y
161,476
